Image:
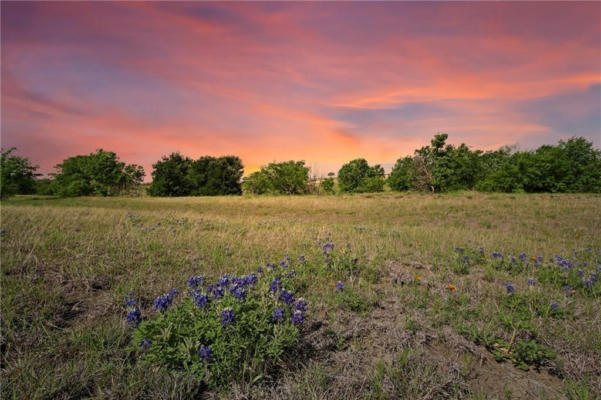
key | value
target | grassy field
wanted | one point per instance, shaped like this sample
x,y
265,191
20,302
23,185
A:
x,y
426,311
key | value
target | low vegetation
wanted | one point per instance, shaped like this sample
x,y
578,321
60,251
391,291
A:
x,y
385,295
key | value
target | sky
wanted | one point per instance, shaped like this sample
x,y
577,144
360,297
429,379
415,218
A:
x,y
320,82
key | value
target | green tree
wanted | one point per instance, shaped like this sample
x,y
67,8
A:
x,y
100,173
17,175
212,176
290,177
401,175
171,176
358,176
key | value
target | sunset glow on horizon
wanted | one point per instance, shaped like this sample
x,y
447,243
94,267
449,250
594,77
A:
x,y
320,82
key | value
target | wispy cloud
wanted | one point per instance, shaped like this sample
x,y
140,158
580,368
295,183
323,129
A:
x,y
324,82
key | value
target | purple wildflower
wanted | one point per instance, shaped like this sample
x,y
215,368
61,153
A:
x,y
297,318
458,250
238,292
523,256
216,291
134,316
531,282
146,343
205,352
286,296
301,305
301,258
162,302
251,279
275,284
201,300
339,286
278,314
129,300
227,316
510,288
496,254
290,274
588,284
554,305
224,281
195,281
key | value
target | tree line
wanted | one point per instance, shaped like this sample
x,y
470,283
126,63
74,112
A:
x,y
571,166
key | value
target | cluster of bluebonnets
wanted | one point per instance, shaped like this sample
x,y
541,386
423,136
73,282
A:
x,y
222,325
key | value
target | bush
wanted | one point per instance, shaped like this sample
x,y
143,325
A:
x,y
99,173
357,176
327,185
17,175
235,329
290,177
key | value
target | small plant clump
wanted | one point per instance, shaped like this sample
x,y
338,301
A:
x,y
236,328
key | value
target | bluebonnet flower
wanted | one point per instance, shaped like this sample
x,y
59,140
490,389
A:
x,y
227,316
217,291
270,265
523,256
301,258
194,281
458,250
539,259
146,343
275,284
278,314
327,247
531,282
339,286
588,284
201,300
496,254
224,281
297,318
554,305
290,274
286,296
163,301
260,270
134,316
465,259
513,260
580,273
599,269
301,305
129,300
481,250
594,277
205,352
173,292
510,288
251,279
567,288
284,264
238,292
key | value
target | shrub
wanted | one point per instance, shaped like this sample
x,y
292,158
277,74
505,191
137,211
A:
x,y
327,185
290,177
237,328
99,173
357,176
17,175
